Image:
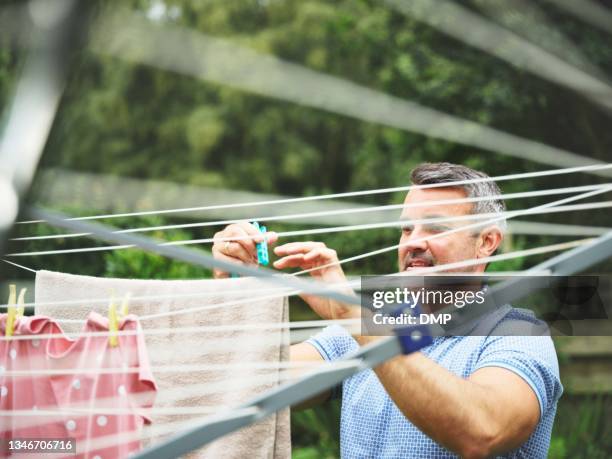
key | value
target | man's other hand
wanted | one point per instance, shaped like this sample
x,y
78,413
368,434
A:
x,y
308,255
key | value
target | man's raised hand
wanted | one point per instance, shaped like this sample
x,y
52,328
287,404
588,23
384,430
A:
x,y
236,243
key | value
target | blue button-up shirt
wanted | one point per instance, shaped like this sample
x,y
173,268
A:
x,y
373,427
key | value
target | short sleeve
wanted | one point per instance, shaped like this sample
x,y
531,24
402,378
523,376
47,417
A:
x,y
333,342
533,358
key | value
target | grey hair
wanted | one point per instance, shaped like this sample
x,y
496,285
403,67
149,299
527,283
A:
x,y
434,173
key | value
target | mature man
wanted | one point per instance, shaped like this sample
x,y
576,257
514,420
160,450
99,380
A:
x,y
476,396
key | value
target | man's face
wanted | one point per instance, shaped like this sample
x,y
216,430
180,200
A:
x,y
458,246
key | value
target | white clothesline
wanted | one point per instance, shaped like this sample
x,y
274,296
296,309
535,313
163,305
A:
x,y
39,415
328,230
354,284
282,291
492,221
286,291
170,296
17,265
159,428
352,210
501,257
552,172
185,330
183,368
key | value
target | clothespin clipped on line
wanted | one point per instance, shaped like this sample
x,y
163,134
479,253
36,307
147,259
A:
x,y
15,309
113,325
125,305
21,302
114,317
262,248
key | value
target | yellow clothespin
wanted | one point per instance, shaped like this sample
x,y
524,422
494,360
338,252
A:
x,y
113,323
125,305
115,316
14,309
11,311
21,302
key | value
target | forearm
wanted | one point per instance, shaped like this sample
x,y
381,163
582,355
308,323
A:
x,y
465,416
457,413
305,353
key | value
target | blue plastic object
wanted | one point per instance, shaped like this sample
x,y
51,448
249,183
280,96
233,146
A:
x,y
412,337
262,247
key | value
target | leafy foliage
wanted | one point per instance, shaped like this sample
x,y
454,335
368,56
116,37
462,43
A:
x,y
582,430
133,120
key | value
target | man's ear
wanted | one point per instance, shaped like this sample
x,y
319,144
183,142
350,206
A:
x,y
489,240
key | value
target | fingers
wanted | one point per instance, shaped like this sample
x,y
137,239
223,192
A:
x,y
245,235
218,273
271,237
238,252
297,247
224,249
304,255
324,254
243,249
244,230
291,261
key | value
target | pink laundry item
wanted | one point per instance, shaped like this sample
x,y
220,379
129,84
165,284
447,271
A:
x,y
186,397
107,389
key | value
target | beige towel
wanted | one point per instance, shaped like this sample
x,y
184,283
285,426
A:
x,y
212,387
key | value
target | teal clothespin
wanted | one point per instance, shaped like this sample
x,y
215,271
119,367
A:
x,y
262,247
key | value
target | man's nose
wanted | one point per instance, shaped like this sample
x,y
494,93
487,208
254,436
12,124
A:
x,y
414,242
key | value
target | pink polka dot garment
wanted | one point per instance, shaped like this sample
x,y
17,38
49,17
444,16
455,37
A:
x,y
52,386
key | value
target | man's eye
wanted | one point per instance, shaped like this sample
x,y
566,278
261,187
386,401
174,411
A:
x,y
407,229
437,228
